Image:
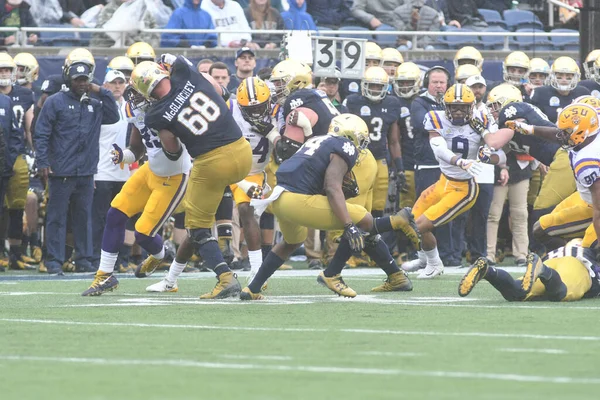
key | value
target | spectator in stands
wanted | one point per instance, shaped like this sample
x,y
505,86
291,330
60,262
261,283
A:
x,y
498,5
56,12
16,13
220,72
466,13
190,16
245,62
329,13
228,16
204,65
403,15
261,15
442,9
103,40
297,17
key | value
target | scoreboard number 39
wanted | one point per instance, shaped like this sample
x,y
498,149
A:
x,y
352,60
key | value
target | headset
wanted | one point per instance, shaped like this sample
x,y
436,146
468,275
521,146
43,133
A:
x,y
433,69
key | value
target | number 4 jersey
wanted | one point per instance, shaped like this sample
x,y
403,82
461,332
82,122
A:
x,y
462,140
586,167
193,111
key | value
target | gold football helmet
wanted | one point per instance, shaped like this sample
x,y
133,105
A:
x,y
80,55
502,95
28,69
588,64
459,101
516,59
145,76
589,100
391,60
10,77
123,64
576,122
468,55
373,54
141,51
466,71
408,80
565,66
352,127
539,70
288,76
374,84
254,99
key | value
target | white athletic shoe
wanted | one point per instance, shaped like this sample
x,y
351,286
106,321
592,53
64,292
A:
x,y
413,265
431,271
163,286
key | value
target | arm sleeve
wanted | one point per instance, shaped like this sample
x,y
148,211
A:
x,y
172,39
43,130
441,150
110,112
358,11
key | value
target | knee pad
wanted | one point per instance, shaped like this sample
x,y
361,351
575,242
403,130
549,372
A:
x,y
371,241
224,231
201,236
267,221
15,224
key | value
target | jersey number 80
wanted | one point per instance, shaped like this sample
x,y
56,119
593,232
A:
x,y
200,112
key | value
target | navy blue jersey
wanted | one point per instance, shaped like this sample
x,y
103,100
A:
x,y
379,118
547,99
13,136
304,172
592,86
540,149
407,138
193,111
22,99
348,87
315,100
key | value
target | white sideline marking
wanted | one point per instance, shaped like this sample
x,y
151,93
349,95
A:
x,y
247,357
542,351
317,330
389,354
310,369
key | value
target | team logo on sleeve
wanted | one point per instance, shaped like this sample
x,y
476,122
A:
x,y
349,149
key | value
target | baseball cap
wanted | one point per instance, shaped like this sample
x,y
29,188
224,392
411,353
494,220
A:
x,y
243,50
78,69
472,80
113,74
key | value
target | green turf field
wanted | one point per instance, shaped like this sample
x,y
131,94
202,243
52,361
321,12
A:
x,y
302,343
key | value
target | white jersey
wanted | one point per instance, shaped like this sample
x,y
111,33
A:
x,y
261,146
158,162
462,140
586,167
109,134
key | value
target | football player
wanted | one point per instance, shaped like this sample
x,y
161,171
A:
x,y
539,71
468,55
592,78
18,185
570,273
455,138
188,109
380,112
311,193
391,59
515,69
28,69
563,88
123,64
464,72
406,84
139,52
154,190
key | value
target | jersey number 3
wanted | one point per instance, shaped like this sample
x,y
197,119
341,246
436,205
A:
x,y
201,111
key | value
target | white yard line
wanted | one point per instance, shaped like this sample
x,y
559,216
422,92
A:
x,y
259,357
311,330
529,350
307,369
389,354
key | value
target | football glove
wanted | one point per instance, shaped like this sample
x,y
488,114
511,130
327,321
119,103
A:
x,y
350,186
255,192
167,60
354,237
471,166
263,127
297,118
485,154
477,125
116,154
519,127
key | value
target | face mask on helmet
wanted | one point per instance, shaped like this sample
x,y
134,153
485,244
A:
x,y
256,113
374,91
459,113
135,99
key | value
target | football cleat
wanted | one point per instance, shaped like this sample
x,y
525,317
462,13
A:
x,y
42,268
413,265
404,221
336,284
36,254
314,264
19,265
534,267
163,286
28,260
431,271
103,282
68,266
396,282
147,267
227,286
190,268
285,267
246,294
357,261
125,268
251,277
473,275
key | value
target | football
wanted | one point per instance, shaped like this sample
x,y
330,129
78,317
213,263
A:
x,y
293,130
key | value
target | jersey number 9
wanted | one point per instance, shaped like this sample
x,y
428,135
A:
x,y
201,111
